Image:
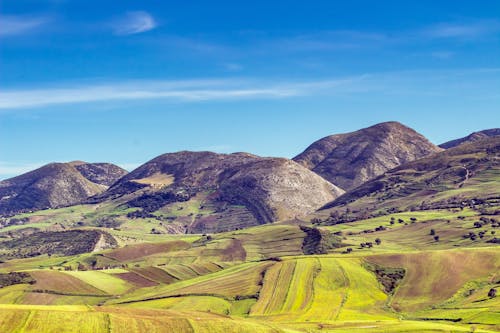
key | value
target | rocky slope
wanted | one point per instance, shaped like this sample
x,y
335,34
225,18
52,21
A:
x,y
269,189
466,175
100,173
476,136
55,185
350,159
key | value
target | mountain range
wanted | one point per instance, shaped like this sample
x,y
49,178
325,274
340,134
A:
x,y
231,191
377,230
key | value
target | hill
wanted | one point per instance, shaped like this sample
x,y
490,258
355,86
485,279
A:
x,y
466,175
209,192
100,173
476,136
183,244
350,159
56,185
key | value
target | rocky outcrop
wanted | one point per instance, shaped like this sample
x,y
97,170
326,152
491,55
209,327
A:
x,y
55,185
350,159
476,136
271,188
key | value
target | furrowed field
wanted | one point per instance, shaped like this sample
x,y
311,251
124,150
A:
x,y
259,280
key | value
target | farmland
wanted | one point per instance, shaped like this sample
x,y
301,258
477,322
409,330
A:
x,y
259,279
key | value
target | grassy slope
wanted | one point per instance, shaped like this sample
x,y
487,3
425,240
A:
x,y
300,293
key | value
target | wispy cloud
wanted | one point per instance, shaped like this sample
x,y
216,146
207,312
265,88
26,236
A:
x,y
443,55
14,25
326,41
134,23
462,30
417,82
232,67
186,91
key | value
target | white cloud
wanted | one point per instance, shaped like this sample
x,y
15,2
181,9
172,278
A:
x,y
185,91
462,30
417,82
13,25
134,23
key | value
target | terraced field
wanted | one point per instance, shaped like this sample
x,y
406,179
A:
x,y
259,279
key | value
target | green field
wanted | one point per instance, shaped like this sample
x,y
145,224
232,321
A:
x,y
259,280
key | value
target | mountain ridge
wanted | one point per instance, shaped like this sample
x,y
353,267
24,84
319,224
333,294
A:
x,y
349,159
55,185
475,136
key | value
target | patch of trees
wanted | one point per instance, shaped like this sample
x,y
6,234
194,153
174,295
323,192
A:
x,y
494,241
13,221
318,242
140,214
108,222
12,278
388,277
70,242
151,202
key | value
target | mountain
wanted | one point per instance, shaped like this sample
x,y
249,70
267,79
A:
x,y
466,175
100,173
56,185
471,138
350,159
209,192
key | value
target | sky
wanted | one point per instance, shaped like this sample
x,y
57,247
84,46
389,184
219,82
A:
x,y
125,81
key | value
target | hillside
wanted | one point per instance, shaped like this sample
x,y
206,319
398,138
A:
x,y
209,192
260,279
350,159
476,136
466,175
100,173
184,243
56,185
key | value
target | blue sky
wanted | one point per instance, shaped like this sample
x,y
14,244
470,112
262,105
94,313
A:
x,y
125,81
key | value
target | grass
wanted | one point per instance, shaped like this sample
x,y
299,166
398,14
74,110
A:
x,y
192,283
108,283
434,276
57,319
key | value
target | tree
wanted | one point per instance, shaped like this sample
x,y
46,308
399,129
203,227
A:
x,y
315,220
492,293
378,241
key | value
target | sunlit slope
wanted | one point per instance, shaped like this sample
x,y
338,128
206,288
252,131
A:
x,y
40,319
